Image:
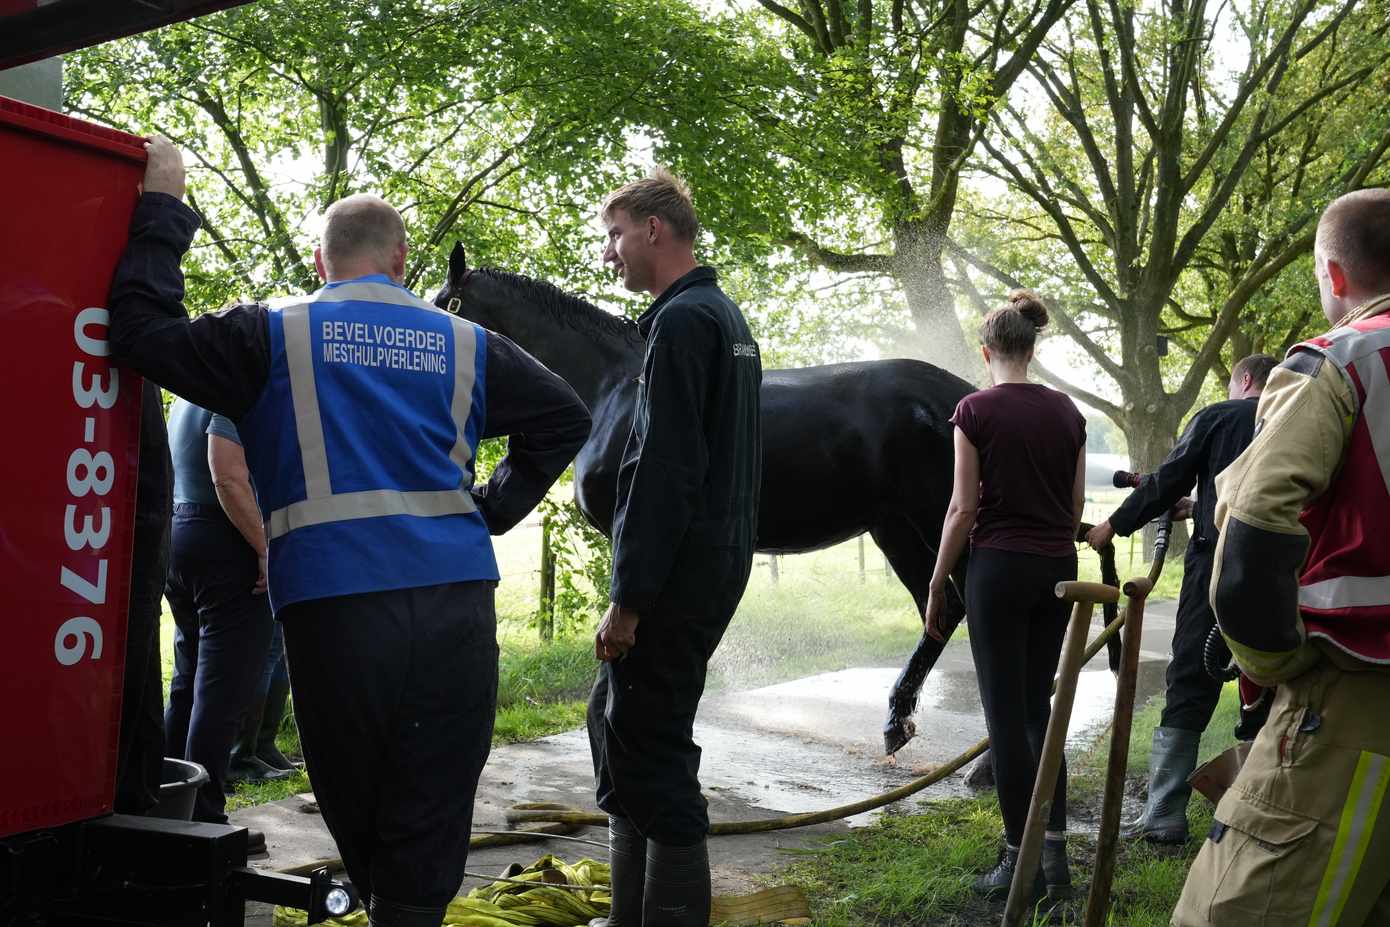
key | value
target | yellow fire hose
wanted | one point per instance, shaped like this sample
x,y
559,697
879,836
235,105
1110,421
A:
x,y
548,892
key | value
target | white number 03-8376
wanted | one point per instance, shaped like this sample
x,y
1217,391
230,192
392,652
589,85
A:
x,y
91,472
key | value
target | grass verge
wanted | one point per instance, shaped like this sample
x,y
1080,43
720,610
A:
x,y
914,869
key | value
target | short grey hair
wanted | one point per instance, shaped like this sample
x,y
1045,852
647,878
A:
x,y
360,225
1354,231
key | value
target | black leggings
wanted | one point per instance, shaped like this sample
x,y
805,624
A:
x,y
1016,627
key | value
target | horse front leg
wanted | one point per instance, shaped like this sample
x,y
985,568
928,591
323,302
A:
x,y
913,559
902,698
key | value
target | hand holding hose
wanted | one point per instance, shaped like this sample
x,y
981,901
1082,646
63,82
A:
x,y
1100,535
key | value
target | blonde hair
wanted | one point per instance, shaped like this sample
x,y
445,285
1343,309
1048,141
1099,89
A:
x,y
1012,329
661,194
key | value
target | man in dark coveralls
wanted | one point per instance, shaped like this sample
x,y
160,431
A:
x,y
683,536
360,407
1216,436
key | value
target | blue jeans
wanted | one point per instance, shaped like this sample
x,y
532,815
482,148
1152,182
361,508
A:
x,y
221,641
276,670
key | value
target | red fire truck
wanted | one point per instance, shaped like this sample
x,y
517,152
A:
x,y
67,501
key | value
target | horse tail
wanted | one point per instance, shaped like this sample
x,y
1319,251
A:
x,y
1110,576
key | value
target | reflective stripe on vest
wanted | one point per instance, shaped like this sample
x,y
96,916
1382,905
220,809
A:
x,y
321,504
1346,592
1358,352
1375,410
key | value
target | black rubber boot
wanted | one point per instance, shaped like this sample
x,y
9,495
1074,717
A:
x,y
1173,759
244,765
678,890
627,862
1056,872
252,769
266,750
383,913
996,882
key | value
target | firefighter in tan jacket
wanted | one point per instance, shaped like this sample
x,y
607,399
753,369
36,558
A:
x,y
1301,590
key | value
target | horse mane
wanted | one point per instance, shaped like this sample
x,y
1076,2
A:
x,y
571,310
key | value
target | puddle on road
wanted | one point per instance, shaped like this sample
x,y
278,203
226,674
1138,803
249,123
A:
x,y
804,745
816,742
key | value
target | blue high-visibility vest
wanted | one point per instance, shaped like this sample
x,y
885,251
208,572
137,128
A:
x,y
362,444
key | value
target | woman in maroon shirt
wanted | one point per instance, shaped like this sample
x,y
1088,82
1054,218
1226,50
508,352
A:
x,y
1019,486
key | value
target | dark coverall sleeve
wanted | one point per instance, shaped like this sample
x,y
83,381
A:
x,y
219,361
668,456
545,422
1160,490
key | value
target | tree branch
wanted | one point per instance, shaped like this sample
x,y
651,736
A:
x,y
1226,319
1277,59
800,22
219,241
1110,409
1043,195
838,261
1064,319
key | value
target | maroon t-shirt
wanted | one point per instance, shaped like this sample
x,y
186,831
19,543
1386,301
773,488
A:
x,y
1028,437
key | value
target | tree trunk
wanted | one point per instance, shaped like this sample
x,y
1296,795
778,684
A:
x,y
938,337
1150,434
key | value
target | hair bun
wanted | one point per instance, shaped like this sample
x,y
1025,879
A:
x,y
1029,305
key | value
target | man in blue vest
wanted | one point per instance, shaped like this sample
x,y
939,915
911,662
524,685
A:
x,y
360,407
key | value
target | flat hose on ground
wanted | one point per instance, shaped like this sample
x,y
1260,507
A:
x,y
558,814
475,842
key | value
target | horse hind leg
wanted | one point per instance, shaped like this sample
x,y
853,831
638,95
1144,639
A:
x,y
913,560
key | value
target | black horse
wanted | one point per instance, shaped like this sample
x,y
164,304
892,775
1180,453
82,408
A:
x,y
847,448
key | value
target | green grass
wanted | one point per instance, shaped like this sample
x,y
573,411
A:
x,y
904,869
541,688
248,794
913,870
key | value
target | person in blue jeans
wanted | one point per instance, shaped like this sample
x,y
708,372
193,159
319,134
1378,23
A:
x,y
216,589
255,755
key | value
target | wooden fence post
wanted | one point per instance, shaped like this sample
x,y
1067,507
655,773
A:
x,y
546,614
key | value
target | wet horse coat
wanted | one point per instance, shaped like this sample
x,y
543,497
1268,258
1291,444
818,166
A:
x,y
847,448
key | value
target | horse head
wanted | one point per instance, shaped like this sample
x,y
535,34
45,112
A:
x,y
451,299
585,345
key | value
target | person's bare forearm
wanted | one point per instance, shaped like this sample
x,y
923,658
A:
x,y
955,533
239,502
